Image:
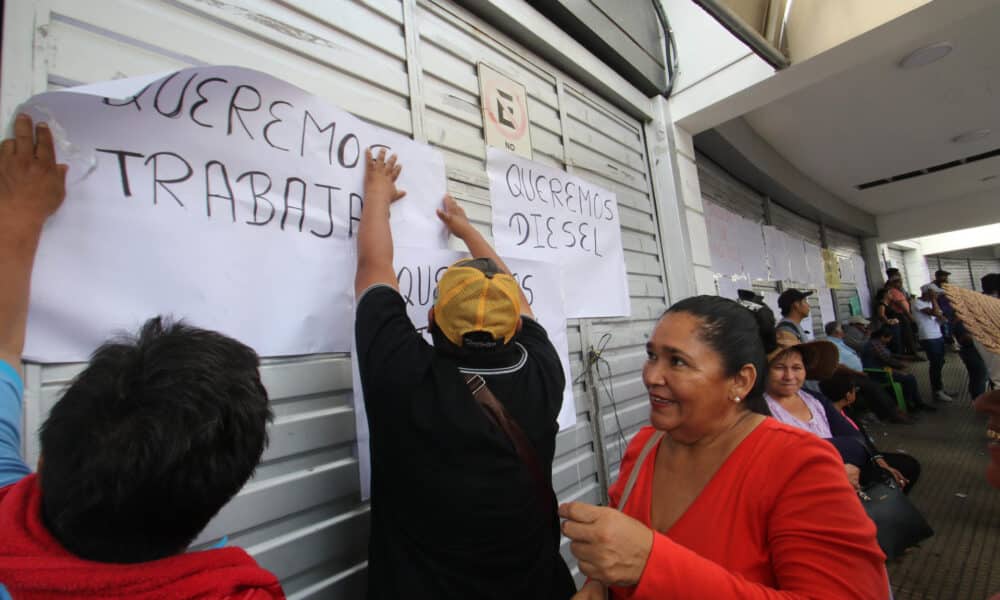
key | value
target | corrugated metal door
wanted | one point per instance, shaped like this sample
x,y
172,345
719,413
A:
x,y
842,243
301,515
842,302
789,222
961,275
726,191
896,260
572,130
981,267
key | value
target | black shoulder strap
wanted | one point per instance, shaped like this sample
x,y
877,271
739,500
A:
x,y
522,445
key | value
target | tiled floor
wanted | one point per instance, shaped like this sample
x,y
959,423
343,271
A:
x,y
961,561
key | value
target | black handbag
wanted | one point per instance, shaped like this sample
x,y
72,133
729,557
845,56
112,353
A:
x,y
899,523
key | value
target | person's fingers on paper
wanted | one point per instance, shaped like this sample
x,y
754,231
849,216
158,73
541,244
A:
x,y
44,145
24,142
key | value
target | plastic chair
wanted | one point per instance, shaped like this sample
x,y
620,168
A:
x,y
885,378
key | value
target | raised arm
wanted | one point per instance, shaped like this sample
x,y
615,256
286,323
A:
x,y
458,224
374,233
32,187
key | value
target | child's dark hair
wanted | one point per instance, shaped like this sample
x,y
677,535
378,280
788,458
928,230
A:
x,y
740,332
150,441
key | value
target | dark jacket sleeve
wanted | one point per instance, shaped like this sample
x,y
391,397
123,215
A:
x,y
849,441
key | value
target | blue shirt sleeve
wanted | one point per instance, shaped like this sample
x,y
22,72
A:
x,y
12,467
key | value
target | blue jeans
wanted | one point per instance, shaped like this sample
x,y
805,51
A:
x,y
977,370
935,355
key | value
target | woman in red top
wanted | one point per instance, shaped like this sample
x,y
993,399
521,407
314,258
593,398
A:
x,y
726,503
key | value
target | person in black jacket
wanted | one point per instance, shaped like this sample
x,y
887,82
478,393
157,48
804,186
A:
x,y
842,389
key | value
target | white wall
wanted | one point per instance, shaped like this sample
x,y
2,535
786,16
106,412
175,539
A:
x,y
714,64
818,25
914,264
969,211
974,237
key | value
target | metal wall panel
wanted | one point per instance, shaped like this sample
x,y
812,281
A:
x,y
301,515
842,243
842,302
980,267
896,260
961,273
727,191
789,222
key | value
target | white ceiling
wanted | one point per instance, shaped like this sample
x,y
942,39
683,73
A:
x,y
876,120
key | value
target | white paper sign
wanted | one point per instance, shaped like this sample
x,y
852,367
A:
x,y
861,282
221,195
814,264
776,243
418,271
541,213
826,308
723,245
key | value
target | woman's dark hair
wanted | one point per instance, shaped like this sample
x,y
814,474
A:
x,y
740,333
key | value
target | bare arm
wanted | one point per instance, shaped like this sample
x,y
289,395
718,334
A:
x,y
374,234
458,224
32,187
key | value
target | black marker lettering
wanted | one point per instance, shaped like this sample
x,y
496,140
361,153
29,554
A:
x,y
404,274
523,229
585,198
341,150
331,127
236,109
528,292
329,208
161,182
538,234
202,99
553,185
122,167
275,120
548,227
525,188
510,183
132,100
301,208
258,196
355,200
569,196
572,238
180,97
539,188
583,236
424,292
208,188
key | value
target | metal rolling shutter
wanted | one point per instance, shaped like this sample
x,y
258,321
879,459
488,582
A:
x,y
980,267
301,516
842,302
789,222
961,275
842,243
896,260
727,191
